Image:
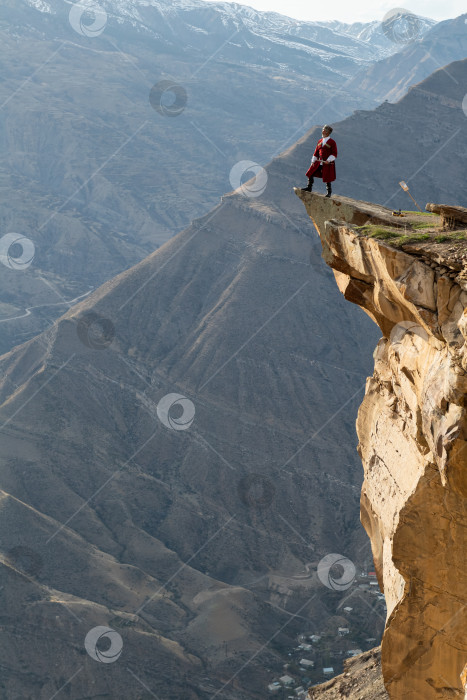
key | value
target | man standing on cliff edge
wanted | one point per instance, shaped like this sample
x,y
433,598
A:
x,y
322,163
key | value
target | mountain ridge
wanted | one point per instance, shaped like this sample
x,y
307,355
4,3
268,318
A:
x,y
124,486
107,177
415,62
264,22
139,519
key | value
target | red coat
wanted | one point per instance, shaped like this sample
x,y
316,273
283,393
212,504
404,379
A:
x,y
322,152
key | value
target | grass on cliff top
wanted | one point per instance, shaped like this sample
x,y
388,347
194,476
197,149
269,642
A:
x,y
419,213
412,234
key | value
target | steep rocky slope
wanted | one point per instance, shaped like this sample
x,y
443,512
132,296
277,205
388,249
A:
x,y
412,429
361,680
199,546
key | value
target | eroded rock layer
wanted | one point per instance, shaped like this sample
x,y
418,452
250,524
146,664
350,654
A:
x,y
412,430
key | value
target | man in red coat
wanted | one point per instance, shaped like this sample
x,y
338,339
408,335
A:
x,y
322,163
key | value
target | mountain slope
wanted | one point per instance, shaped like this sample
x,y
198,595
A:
x,y
164,534
106,177
420,139
208,537
195,22
391,77
362,680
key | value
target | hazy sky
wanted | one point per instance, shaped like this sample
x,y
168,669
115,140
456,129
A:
x,y
357,10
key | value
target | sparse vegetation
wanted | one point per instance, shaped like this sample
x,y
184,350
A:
x,y
419,213
451,236
402,240
411,233
396,237
382,232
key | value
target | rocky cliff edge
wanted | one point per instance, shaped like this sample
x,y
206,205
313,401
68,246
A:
x,y
409,273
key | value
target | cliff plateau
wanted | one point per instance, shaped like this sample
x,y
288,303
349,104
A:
x,y
409,274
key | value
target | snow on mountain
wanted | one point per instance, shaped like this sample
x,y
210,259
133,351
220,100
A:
x,y
373,32
360,40
41,6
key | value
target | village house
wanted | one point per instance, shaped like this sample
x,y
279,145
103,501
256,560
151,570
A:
x,y
286,680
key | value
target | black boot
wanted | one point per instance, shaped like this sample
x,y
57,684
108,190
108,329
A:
x,y
309,187
328,189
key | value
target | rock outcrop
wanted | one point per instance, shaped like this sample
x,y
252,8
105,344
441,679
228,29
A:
x,y
452,217
412,430
361,680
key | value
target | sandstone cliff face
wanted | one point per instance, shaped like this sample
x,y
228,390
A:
x,y
412,430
